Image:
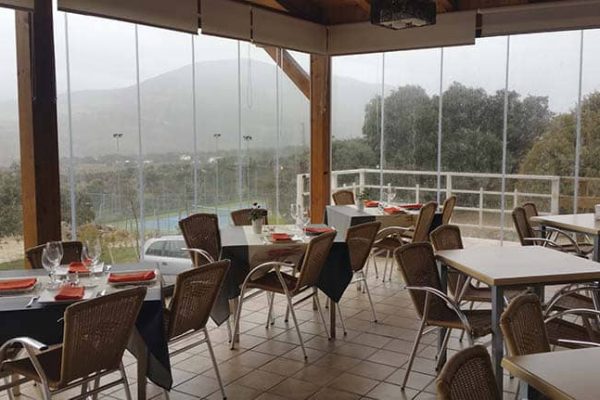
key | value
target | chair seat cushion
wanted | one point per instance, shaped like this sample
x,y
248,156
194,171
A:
x,y
271,283
50,360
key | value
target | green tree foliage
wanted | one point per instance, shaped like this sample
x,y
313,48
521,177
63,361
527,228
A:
x,y
11,212
472,126
353,153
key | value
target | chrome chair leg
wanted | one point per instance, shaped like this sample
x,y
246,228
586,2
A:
x,y
214,362
413,353
385,266
291,308
339,310
369,296
229,335
125,381
438,357
374,256
236,321
320,309
270,320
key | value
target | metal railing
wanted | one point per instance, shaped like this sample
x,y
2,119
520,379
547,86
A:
x,y
478,193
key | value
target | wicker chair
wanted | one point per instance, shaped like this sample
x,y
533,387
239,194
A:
x,y
435,308
202,237
242,217
528,236
448,209
390,238
468,375
195,294
71,252
269,277
359,239
95,335
343,198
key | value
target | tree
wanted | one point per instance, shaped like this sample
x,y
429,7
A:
x,y
472,128
353,153
11,212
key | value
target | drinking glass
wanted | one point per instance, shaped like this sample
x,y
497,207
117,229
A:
x,y
54,251
50,265
305,219
391,195
91,252
294,213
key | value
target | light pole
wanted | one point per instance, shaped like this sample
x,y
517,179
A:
x,y
217,136
247,139
117,136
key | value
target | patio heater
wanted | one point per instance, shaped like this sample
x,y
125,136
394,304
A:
x,y
402,14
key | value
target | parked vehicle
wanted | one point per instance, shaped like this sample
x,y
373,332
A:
x,y
166,252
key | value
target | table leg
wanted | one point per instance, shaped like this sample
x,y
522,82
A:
x,y
540,292
528,392
443,271
497,343
596,255
332,321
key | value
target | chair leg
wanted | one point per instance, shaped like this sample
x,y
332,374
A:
x,y
236,321
370,299
229,335
374,256
462,334
391,265
318,302
214,361
270,299
413,352
438,364
125,382
339,310
291,308
9,390
385,266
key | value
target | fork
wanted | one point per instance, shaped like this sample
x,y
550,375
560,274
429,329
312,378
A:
x,y
33,300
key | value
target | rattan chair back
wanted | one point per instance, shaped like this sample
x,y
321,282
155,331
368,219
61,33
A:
x,y
314,260
530,210
424,221
522,226
468,375
523,327
343,197
242,217
359,239
447,237
201,231
448,209
96,333
195,294
71,252
418,268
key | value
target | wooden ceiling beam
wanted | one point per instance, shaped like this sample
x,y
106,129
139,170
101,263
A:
x,y
305,9
291,68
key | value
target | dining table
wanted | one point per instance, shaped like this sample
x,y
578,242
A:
x,y
34,314
343,217
578,223
558,375
247,249
504,267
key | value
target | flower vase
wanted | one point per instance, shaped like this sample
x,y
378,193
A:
x,y
257,225
361,205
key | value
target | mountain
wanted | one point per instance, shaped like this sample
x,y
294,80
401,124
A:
x,y
167,119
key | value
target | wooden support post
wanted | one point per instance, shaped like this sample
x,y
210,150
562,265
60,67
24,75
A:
x,y
292,69
320,135
40,181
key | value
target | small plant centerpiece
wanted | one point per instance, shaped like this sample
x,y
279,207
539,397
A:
x,y
362,197
257,217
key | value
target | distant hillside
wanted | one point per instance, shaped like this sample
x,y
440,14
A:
x,y
166,110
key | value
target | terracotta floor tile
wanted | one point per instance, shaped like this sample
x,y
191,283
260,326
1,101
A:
x,y
318,375
295,389
372,370
283,366
260,380
387,391
332,394
353,383
390,358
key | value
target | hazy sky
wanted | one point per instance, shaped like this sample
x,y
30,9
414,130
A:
x,y
102,54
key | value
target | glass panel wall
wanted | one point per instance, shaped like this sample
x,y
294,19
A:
x,y
11,211
356,123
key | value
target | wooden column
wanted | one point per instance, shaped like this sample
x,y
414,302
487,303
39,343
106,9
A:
x,y
40,183
320,135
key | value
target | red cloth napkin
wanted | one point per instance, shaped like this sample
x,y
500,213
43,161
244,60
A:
x,y
16,284
70,293
317,230
78,266
131,277
414,206
280,237
371,203
392,210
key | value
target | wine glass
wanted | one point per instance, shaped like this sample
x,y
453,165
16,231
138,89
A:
x,y
91,252
49,265
294,212
54,252
391,195
305,219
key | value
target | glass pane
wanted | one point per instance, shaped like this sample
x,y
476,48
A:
x,y
544,77
11,211
355,123
412,81
472,126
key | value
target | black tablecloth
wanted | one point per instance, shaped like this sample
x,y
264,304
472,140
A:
x,y
333,281
44,323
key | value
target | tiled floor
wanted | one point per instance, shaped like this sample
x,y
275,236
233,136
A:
x,y
367,363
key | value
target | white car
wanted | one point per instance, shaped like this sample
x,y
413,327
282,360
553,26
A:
x,y
166,252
